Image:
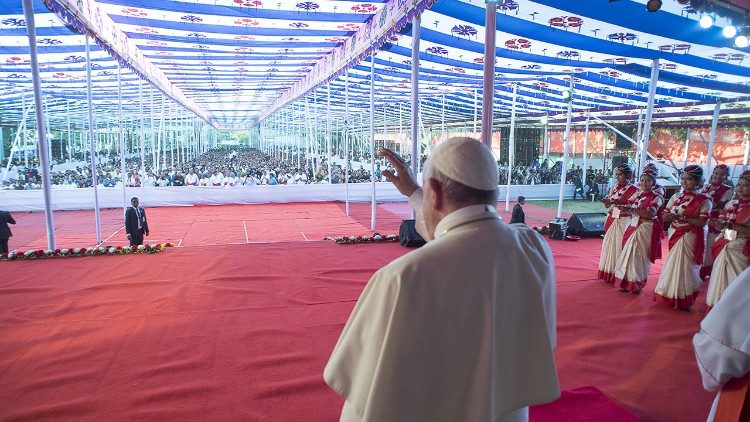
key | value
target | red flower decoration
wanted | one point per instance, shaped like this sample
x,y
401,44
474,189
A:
x,y
146,30
348,27
518,43
246,22
364,8
248,3
132,11
566,22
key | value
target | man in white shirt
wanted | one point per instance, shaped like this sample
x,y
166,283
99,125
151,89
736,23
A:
x,y
217,179
462,329
722,348
191,179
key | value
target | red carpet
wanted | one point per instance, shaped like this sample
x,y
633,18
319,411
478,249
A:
x,y
242,332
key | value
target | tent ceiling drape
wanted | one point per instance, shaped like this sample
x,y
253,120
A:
x,y
234,62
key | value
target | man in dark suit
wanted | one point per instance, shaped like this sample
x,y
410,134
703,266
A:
x,y
5,234
518,215
135,223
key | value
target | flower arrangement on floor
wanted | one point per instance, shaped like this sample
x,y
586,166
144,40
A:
x,y
92,251
375,238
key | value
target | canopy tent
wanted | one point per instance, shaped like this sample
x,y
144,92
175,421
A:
x,y
233,63
320,70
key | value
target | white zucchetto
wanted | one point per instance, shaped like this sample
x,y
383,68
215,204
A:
x,y
466,161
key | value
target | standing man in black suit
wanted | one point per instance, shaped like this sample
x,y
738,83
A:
x,y
518,215
5,234
135,223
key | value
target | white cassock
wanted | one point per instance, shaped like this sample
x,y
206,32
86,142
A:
x,y
722,346
462,329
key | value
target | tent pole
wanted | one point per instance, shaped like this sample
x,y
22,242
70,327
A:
x,y
28,11
566,140
649,115
747,152
123,169
585,148
712,139
346,141
328,133
373,203
416,36
489,72
476,110
511,147
687,148
142,130
92,145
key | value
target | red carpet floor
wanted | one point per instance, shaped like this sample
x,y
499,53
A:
x,y
242,332
227,224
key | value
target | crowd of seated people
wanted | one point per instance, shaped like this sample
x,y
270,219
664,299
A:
x,y
242,166
220,167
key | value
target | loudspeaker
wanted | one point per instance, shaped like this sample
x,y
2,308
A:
x,y
558,229
589,224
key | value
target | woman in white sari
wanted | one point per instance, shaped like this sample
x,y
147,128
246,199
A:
x,y
688,212
616,222
642,238
731,251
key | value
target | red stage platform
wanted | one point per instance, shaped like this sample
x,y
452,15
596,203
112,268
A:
x,y
227,224
243,331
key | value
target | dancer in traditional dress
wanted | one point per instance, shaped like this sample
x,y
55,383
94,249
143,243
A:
x,y
659,189
642,239
720,193
688,212
731,251
616,222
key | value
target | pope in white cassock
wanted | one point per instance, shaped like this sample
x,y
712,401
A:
x,y
462,329
722,347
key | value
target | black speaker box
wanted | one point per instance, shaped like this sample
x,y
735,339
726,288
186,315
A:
x,y
558,229
589,224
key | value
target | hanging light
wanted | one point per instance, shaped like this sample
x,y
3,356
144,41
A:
x,y
741,41
706,21
653,5
567,95
729,31
544,120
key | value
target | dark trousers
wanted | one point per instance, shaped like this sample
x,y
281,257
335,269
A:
x,y
136,238
3,245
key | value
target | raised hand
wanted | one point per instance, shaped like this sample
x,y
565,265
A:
x,y
403,180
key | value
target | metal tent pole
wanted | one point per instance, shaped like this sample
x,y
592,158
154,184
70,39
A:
x,y
585,148
416,35
488,90
649,114
143,132
328,132
566,140
712,139
373,201
28,11
346,141
92,145
123,168
511,147
687,148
